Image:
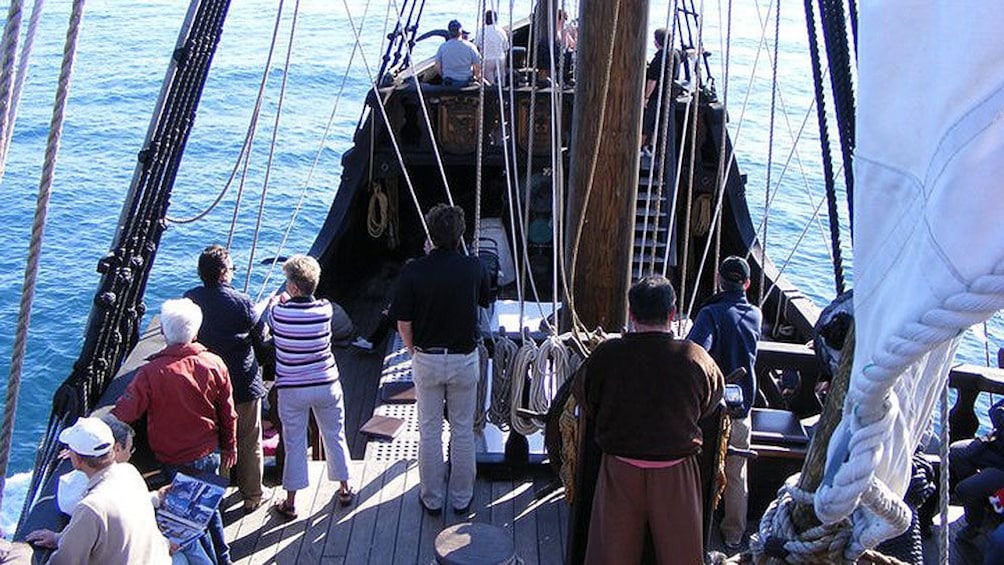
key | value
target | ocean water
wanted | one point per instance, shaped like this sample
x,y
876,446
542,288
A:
x,y
123,53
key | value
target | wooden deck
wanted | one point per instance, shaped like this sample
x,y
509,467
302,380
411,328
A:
x,y
387,525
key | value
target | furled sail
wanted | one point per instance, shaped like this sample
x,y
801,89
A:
x,y
929,240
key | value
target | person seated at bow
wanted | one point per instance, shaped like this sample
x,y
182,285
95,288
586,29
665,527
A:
x,y
457,60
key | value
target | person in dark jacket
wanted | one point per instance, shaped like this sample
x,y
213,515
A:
x,y
728,327
230,328
977,469
647,392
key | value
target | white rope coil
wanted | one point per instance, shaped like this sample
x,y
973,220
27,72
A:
x,y
479,411
522,368
550,371
378,214
502,366
821,544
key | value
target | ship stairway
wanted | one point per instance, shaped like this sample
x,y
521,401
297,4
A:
x,y
651,235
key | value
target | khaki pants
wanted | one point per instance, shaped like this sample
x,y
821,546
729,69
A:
x,y
452,378
735,498
249,451
628,498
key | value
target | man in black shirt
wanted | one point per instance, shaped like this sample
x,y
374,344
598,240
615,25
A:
x,y
228,329
653,76
436,308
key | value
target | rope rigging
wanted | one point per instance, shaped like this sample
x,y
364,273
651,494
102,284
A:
x,y
770,143
8,55
37,237
246,146
831,16
22,75
824,140
113,327
271,148
313,165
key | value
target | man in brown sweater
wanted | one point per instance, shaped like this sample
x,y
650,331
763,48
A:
x,y
647,392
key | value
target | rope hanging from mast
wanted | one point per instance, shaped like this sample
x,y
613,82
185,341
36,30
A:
x,y
22,74
37,237
831,16
824,140
271,147
246,146
8,55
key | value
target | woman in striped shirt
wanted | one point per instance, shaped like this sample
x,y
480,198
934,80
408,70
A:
x,y
307,379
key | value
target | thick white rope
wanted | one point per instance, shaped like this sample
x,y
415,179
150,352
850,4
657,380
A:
x,y
479,410
37,236
502,367
522,370
873,409
550,371
8,56
825,543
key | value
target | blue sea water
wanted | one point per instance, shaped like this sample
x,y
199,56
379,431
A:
x,y
123,53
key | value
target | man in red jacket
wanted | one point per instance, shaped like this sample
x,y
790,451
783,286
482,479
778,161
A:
x,y
185,392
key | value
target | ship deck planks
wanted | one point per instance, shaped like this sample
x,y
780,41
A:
x,y
387,525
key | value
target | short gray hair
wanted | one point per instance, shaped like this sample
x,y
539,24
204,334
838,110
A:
x,y
180,320
121,431
304,271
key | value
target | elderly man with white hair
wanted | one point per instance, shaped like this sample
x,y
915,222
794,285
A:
x,y
185,392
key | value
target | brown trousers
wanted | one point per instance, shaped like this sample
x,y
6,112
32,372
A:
x,y
250,457
627,499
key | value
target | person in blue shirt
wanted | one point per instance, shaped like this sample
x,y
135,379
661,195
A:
x,y
728,327
457,60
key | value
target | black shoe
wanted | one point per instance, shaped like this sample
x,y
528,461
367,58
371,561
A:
x,y
430,511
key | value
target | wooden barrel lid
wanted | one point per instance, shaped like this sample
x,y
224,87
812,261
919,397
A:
x,y
475,544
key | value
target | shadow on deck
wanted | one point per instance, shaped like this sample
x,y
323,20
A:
x,y
387,525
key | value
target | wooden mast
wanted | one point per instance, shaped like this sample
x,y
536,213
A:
x,y
603,177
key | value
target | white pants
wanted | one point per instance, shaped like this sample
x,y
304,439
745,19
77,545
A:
x,y
295,405
453,378
736,494
494,69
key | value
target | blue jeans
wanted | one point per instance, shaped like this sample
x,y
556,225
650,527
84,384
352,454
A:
x,y
216,545
995,552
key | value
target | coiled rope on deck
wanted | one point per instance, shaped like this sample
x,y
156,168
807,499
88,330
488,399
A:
x,y
37,237
502,367
522,368
550,371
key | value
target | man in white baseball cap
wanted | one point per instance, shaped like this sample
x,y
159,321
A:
x,y
114,523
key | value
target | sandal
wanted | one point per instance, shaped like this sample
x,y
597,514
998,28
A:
x,y
345,497
285,510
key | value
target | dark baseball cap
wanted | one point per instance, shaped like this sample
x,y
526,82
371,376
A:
x,y
735,269
454,26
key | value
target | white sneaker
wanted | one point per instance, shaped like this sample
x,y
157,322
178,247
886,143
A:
x,y
362,343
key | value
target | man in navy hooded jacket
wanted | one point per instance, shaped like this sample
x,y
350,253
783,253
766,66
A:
x,y
728,327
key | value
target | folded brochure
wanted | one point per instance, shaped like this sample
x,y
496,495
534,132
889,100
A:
x,y
187,508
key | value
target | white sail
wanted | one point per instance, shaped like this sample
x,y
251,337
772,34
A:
x,y
928,237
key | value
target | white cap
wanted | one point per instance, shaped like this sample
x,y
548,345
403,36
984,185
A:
x,y
89,437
